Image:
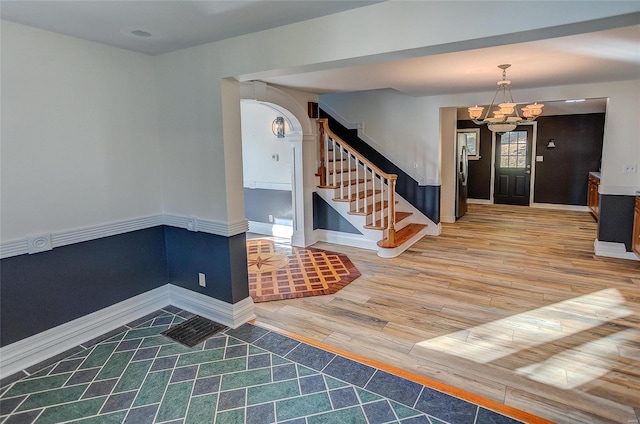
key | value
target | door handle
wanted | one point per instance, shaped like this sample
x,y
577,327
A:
x,y
527,172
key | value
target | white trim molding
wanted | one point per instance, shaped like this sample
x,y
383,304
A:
x,y
613,250
268,229
32,350
347,239
64,238
618,190
480,201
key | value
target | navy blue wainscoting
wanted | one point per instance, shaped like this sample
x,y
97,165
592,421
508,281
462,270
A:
x,y
223,260
327,218
47,289
615,223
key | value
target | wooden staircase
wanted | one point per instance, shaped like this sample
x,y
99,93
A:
x,y
365,196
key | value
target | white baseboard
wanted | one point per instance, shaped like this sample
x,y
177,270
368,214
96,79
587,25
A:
x,y
269,229
231,315
347,239
32,350
577,208
480,201
613,250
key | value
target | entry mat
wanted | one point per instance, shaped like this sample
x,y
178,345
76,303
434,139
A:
x,y
135,375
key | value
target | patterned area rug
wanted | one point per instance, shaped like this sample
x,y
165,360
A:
x,y
278,271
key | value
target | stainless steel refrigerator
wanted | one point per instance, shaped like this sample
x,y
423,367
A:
x,y
462,172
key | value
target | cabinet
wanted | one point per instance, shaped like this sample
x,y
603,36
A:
x,y
592,196
635,243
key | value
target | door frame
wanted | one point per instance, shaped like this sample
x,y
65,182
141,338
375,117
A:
x,y
534,138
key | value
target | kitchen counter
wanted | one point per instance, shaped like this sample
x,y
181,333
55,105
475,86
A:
x,y
595,174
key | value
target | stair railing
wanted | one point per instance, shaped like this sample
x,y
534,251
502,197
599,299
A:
x,y
341,167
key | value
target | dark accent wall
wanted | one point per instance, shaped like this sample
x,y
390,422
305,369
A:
x,y
615,223
260,203
479,180
223,260
562,177
47,289
327,218
424,198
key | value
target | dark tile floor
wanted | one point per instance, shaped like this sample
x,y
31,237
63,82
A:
x,y
135,375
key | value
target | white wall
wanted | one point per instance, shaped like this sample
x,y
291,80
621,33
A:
x,y
259,145
401,123
190,99
79,134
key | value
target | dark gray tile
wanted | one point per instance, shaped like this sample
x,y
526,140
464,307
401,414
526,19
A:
x,y
393,387
231,399
172,309
276,343
379,412
12,378
146,353
446,407
284,372
235,351
119,402
486,416
186,314
82,376
165,363
312,384
184,373
100,388
247,332
310,356
142,415
103,337
259,361
215,343
350,371
261,414
128,345
206,385
145,318
8,405
59,357
23,418
66,366
343,397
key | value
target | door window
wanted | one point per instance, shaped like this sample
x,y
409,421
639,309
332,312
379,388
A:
x,y
513,149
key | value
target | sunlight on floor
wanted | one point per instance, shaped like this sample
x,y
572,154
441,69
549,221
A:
x,y
569,368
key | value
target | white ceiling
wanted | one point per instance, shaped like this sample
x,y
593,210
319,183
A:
x,y
608,55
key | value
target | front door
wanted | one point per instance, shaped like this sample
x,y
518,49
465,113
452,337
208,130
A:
x,y
513,166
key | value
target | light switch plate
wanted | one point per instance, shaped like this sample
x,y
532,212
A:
x,y
539,158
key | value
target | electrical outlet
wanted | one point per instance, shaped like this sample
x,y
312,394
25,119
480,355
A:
x,y
270,218
629,168
202,280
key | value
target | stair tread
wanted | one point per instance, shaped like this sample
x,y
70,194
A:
x,y
346,183
370,209
378,224
360,195
403,235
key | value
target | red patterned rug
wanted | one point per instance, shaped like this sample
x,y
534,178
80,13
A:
x,y
279,271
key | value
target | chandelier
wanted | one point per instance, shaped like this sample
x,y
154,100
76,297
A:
x,y
506,118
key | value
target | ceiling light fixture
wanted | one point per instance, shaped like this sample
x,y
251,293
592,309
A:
x,y
506,118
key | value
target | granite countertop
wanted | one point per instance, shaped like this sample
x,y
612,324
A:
x,y
595,174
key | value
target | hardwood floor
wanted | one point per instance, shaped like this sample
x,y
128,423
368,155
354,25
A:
x,y
509,303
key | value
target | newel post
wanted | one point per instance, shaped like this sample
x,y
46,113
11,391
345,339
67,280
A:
x,y
322,168
391,234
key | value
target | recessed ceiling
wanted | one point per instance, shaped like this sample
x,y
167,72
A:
x,y
155,27
173,25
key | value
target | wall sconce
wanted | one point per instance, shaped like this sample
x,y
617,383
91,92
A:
x,y
277,127
551,144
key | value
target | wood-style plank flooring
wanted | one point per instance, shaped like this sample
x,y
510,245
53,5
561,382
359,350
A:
x,y
509,303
